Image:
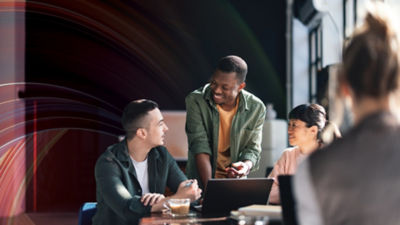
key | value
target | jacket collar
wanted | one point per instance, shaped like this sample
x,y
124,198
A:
x,y
122,153
242,99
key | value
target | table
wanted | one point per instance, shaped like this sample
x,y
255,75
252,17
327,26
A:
x,y
160,218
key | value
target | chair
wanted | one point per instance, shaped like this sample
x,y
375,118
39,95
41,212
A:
x,y
288,202
86,212
268,170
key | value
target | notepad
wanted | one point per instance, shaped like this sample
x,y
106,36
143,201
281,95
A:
x,y
273,211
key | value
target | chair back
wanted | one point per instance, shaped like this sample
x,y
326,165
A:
x,y
86,212
287,200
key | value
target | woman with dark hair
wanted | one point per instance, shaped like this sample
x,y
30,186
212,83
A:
x,y
356,179
306,123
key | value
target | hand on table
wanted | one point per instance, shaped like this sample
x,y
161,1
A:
x,y
151,198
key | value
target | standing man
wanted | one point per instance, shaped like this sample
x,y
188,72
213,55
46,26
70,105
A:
x,y
131,176
224,125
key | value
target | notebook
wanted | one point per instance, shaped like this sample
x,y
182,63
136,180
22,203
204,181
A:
x,y
287,201
223,195
272,211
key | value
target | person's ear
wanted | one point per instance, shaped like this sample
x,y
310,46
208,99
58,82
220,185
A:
x,y
345,90
314,130
242,85
141,133
346,94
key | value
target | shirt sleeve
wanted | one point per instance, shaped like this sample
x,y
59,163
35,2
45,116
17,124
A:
x,y
279,169
252,150
308,210
115,194
175,175
195,130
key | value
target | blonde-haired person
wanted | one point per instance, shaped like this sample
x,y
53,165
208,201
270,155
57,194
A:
x,y
306,123
356,179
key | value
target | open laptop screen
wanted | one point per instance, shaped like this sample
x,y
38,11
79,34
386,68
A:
x,y
224,195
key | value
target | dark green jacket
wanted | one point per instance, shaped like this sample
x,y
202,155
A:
x,y
118,190
202,126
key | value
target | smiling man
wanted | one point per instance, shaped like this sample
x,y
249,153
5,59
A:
x,y
224,125
131,176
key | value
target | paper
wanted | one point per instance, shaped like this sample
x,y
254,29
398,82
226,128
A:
x,y
272,211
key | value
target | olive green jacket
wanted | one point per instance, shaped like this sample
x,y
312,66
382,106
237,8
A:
x,y
118,191
202,126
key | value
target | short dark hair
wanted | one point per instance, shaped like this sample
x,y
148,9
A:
x,y
311,114
232,63
133,115
370,60
315,115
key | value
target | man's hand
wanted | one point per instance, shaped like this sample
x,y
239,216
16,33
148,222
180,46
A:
x,y
151,198
188,189
239,169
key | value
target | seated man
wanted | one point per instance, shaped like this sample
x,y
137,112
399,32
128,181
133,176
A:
x,y
131,176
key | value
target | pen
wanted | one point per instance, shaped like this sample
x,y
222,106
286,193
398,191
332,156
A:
x,y
189,183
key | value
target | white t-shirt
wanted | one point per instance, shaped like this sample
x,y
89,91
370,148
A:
x,y
142,175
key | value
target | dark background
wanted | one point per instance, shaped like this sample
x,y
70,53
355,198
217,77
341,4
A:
x,y
85,60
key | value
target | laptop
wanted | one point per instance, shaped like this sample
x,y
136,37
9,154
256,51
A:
x,y
224,195
287,200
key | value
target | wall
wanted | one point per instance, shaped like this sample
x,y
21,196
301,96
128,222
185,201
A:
x,y
332,31
300,63
12,135
332,27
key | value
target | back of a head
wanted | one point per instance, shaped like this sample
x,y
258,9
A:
x,y
232,63
133,116
370,60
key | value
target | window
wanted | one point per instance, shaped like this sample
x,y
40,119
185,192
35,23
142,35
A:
x,y
315,59
349,17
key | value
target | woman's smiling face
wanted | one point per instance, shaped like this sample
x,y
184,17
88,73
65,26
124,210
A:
x,y
299,134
